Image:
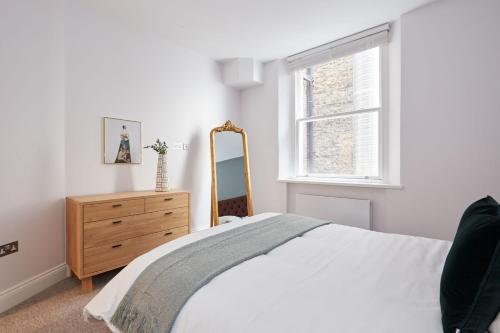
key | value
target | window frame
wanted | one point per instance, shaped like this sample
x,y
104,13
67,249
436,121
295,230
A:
x,y
382,125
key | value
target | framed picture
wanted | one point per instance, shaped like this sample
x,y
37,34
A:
x,y
122,141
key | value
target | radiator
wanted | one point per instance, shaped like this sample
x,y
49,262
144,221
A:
x,y
351,212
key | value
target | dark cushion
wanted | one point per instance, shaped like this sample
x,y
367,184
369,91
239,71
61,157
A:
x,y
470,283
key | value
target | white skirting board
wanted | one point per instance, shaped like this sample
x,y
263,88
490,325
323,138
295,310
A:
x,y
346,211
28,288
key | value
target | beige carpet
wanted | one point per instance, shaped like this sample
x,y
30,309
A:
x,y
57,309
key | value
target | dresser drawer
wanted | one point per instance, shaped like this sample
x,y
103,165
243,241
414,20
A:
x,y
112,209
112,230
167,201
106,257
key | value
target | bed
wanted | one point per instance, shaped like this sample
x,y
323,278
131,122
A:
x,y
332,279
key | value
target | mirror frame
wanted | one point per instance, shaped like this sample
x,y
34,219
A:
x,y
229,127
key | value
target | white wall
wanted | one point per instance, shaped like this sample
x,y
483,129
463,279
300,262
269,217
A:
x,y
64,67
228,145
113,70
259,112
450,114
449,122
32,137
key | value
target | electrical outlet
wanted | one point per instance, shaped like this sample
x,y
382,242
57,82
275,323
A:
x,y
9,248
177,146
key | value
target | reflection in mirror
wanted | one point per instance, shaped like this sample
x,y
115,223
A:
x,y
231,195
231,188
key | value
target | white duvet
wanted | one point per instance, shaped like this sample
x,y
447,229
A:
x,y
332,279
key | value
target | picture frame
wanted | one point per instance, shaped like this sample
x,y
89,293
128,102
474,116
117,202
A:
x,y
122,141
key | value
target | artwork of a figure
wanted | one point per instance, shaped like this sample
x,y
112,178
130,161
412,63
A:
x,y
123,155
124,136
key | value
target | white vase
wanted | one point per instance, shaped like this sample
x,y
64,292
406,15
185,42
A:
x,y
162,174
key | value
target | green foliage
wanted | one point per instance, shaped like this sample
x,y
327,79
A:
x,y
159,147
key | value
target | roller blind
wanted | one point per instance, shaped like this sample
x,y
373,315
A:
x,y
361,41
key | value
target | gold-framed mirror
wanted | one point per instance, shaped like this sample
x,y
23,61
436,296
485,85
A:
x,y
231,189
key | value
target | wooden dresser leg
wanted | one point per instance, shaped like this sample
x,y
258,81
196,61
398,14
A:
x,y
87,285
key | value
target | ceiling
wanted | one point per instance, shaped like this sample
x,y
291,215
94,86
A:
x,y
260,29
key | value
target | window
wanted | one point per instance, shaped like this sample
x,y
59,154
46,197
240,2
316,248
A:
x,y
338,117
343,129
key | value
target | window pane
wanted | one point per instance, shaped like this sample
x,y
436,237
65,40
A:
x,y
345,84
344,146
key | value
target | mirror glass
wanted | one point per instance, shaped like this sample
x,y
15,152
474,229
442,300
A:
x,y
231,180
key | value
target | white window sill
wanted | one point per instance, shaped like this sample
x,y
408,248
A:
x,y
341,182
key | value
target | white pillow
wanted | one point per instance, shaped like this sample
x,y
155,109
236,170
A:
x,y
228,218
495,325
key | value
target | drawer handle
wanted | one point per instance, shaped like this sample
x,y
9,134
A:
x,y
117,222
169,213
115,246
168,233
116,205
168,199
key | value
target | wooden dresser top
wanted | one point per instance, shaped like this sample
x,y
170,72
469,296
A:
x,y
86,199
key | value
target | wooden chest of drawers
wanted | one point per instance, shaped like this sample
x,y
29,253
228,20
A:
x,y
104,232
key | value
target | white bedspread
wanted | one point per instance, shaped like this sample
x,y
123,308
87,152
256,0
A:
x,y
333,279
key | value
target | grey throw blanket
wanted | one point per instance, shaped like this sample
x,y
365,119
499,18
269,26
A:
x,y
159,293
